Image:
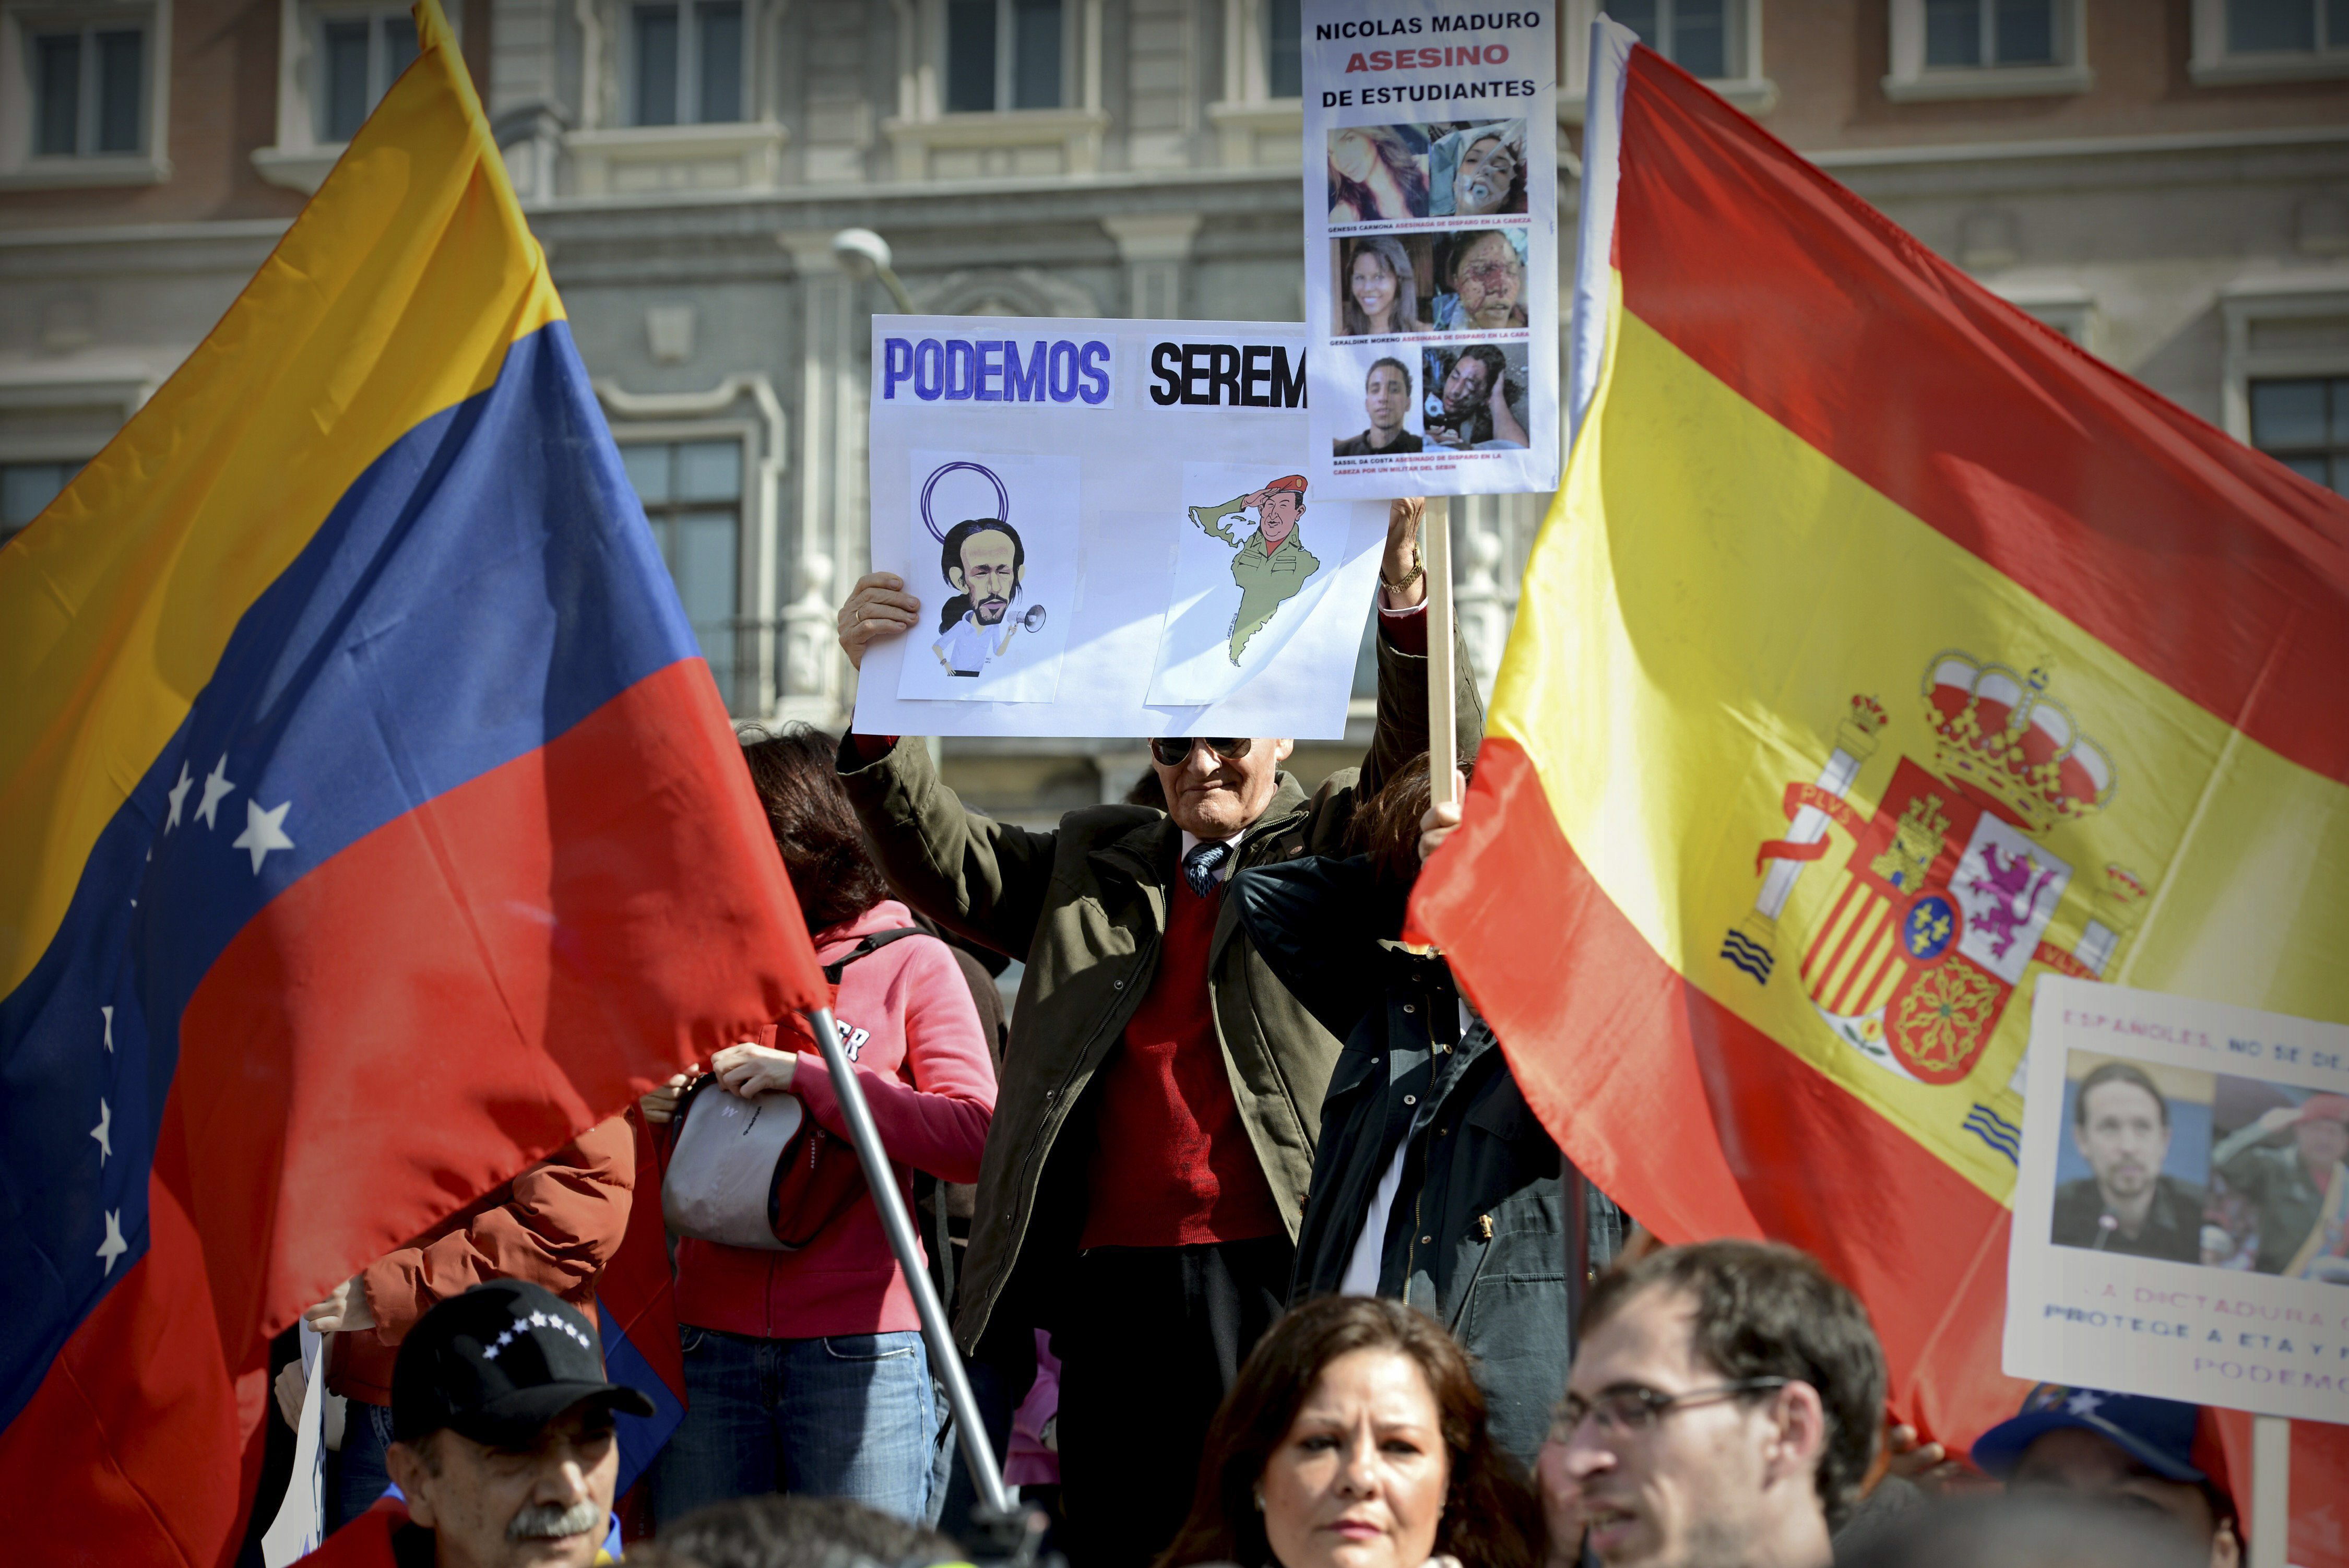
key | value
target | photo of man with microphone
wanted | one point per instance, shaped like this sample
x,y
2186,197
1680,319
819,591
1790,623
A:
x,y
2120,1124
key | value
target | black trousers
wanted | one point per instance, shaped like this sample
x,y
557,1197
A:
x,y
1149,1340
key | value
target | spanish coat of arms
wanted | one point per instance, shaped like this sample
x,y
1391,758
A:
x,y
1948,891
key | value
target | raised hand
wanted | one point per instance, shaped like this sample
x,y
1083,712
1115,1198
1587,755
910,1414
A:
x,y
877,607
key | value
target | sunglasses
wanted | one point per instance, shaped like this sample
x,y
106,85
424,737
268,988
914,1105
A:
x,y
1174,750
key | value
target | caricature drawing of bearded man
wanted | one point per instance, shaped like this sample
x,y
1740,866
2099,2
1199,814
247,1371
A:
x,y
982,560
1273,563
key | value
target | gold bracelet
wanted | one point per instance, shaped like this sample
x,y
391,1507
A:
x,y
1417,572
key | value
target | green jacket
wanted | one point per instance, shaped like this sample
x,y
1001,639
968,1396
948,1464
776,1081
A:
x,y
1085,906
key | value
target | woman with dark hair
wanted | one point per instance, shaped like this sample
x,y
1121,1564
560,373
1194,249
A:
x,y
1378,173
1354,1437
1432,1183
805,1369
1381,292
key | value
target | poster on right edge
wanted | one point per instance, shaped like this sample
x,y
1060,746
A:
x,y
1430,246
2181,1215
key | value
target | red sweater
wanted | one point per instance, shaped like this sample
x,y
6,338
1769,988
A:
x,y
1172,1162
914,1035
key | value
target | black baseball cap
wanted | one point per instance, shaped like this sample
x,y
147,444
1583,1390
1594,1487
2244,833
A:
x,y
499,1362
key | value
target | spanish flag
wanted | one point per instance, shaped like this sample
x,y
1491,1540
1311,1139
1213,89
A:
x,y
369,827
1882,652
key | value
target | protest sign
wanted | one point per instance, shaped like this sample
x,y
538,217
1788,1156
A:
x,y
2181,1215
1430,246
1112,532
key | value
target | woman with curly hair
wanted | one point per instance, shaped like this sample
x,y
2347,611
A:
x,y
1355,1438
1376,175
1381,294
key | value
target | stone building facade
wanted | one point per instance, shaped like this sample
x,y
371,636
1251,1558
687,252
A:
x,y
2165,181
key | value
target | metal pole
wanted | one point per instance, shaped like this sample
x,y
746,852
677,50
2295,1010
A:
x,y
889,281
2271,1490
899,1225
1442,740
1575,1195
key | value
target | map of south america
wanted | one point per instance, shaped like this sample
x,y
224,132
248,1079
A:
x,y
1273,564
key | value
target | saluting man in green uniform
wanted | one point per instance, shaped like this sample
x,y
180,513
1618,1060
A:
x,y
1273,563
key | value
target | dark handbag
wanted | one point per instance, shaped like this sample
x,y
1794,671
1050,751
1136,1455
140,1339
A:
x,y
819,1175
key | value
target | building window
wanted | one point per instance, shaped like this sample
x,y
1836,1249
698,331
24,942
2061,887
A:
x,y
1284,60
2278,27
692,492
2268,40
88,93
361,54
690,60
1987,48
26,488
1003,54
1694,34
2304,424
1975,32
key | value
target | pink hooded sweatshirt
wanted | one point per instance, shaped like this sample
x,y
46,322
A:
x,y
904,1013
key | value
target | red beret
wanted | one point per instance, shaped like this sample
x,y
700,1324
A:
x,y
1289,482
2324,1108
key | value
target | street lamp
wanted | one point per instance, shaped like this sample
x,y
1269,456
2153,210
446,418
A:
x,y
866,254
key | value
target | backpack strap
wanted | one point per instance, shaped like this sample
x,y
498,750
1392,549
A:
x,y
871,945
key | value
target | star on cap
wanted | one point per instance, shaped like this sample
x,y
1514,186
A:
x,y
103,1133
262,832
114,1246
177,793
216,788
2083,1403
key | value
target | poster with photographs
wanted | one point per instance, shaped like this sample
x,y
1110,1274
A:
x,y
2181,1214
1112,530
1430,212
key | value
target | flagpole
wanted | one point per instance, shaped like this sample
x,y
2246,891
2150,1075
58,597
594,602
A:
x,y
2271,1490
946,1360
1443,735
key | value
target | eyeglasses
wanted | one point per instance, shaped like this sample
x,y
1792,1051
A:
x,y
1631,1408
1174,750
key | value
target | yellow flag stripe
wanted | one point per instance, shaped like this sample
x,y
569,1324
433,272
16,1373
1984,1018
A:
x,y
1703,605
393,296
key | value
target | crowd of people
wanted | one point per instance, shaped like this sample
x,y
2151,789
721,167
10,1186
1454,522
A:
x,y
1256,1251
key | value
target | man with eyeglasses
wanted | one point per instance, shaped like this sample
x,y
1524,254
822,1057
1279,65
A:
x,y
1722,1412
1153,1140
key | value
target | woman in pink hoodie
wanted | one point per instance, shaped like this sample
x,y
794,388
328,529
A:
x,y
805,1370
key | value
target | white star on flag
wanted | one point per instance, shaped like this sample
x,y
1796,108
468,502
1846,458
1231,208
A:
x,y
179,792
216,788
2083,1403
103,1133
114,1246
109,1014
262,833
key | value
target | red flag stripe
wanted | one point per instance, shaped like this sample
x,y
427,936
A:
x,y
1763,1144
2215,570
523,894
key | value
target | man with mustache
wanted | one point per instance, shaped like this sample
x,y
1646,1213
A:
x,y
983,561
2120,1124
1273,564
503,1449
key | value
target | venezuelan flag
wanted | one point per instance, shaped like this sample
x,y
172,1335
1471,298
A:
x,y
1882,652
369,828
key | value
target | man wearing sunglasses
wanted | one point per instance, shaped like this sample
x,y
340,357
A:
x,y
1153,1140
1722,1412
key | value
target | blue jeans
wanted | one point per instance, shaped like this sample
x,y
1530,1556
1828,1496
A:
x,y
850,1416
359,1476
